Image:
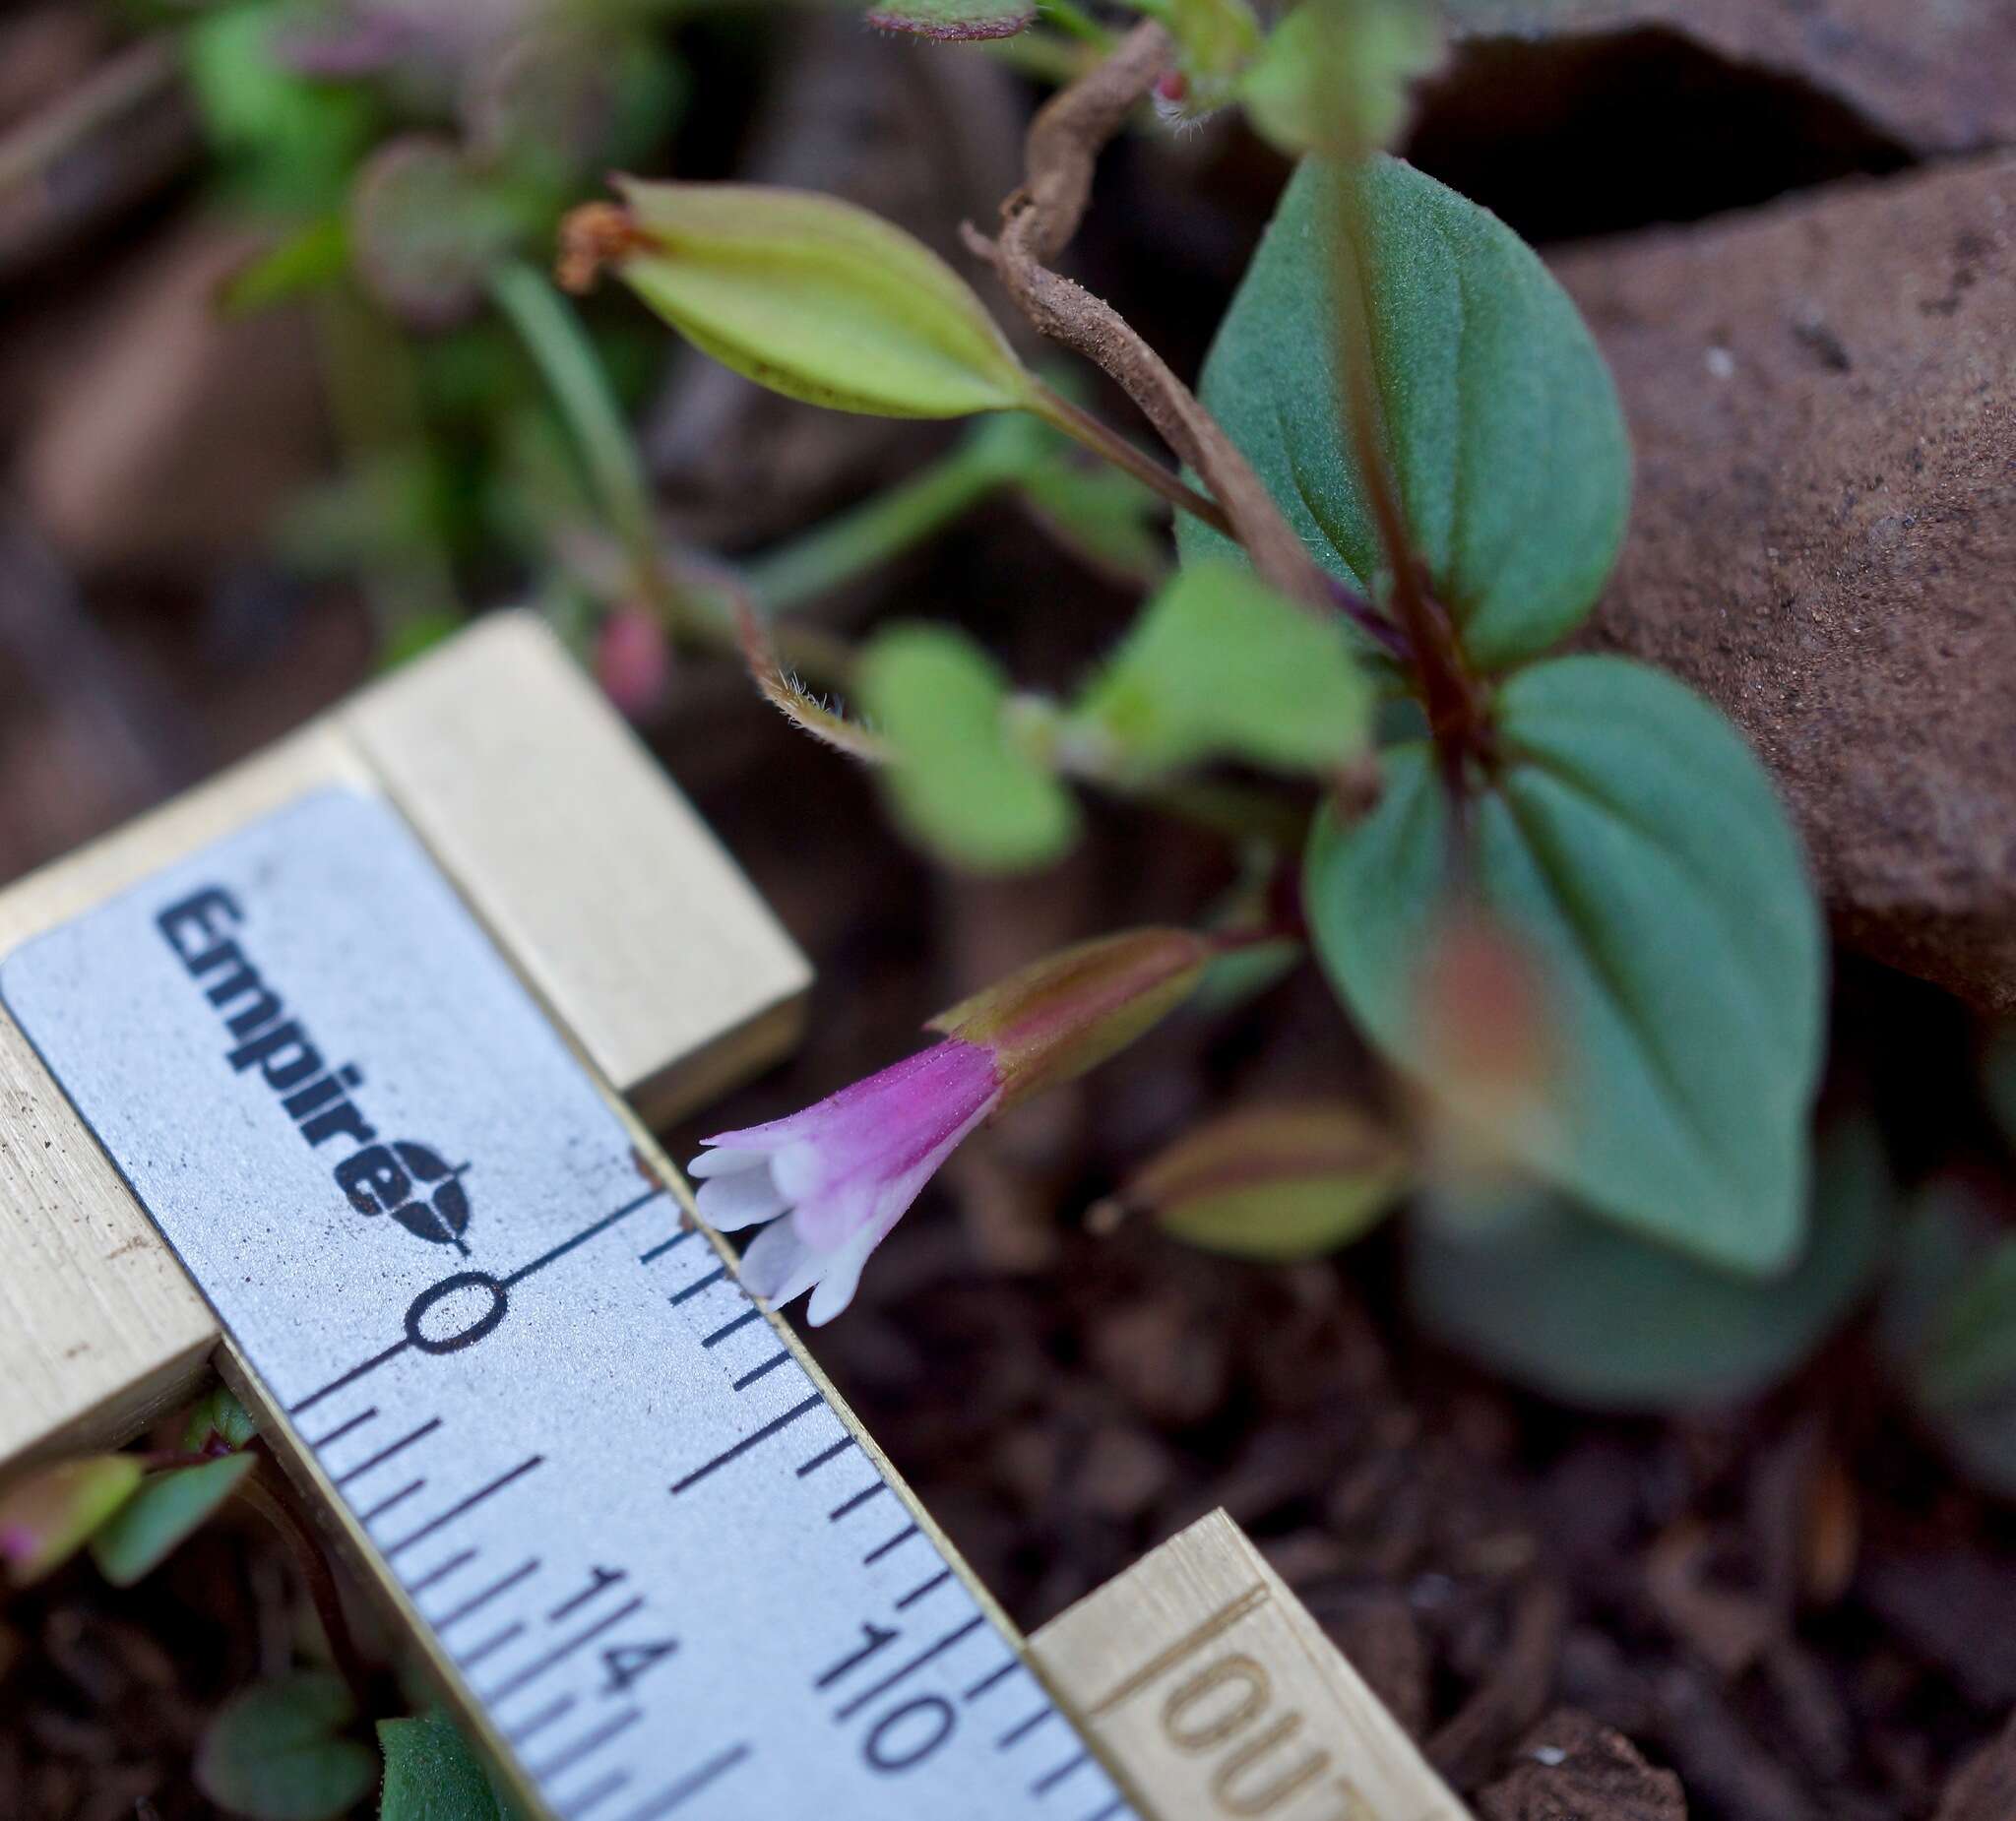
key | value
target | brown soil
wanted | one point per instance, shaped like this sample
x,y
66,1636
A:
x,y
1793,1608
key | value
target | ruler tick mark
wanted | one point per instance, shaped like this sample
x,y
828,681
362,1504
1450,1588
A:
x,y
469,1503
599,1578
728,1328
1022,1728
1117,1806
825,1455
924,1656
593,1795
918,1593
341,1430
586,1233
404,1493
496,1640
658,1251
1051,1778
560,1653
769,1365
993,1679
385,1454
477,1600
543,1718
689,1785
747,1442
694,1289
350,1377
441,1573
881,1550
580,1748
859,1498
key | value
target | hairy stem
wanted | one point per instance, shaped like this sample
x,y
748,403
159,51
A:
x,y
1037,223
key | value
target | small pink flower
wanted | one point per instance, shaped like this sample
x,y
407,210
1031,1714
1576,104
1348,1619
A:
x,y
833,1179
633,663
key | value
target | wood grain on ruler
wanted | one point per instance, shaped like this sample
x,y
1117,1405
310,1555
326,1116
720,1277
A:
x,y
604,890
1211,1690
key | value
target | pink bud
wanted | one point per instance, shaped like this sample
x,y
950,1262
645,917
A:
x,y
633,663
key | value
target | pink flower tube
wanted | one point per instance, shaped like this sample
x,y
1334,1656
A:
x,y
833,1179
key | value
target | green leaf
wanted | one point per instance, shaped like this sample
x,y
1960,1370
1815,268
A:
x,y
816,298
1574,1309
157,1518
1220,666
1999,1081
1629,839
1275,1182
1971,1352
310,259
217,1418
954,19
285,143
432,1775
1100,515
1334,75
47,1517
1503,431
427,229
958,779
275,1751
1949,1311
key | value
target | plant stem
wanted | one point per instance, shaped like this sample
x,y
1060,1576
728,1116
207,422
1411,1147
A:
x,y
268,1491
573,371
882,528
120,83
1083,427
1068,17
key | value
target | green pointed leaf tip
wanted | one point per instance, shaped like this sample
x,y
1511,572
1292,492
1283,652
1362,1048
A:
x,y
1503,431
1220,666
816,298
218,1417
47,1517
432,1775
1947,1310
274,1752
168,1506
1334,75
958,779
951,19
1633,843
1579,1311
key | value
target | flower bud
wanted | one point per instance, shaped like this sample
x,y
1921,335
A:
x,y
46,1518
805,293
1274,1182
633,663
1065,1014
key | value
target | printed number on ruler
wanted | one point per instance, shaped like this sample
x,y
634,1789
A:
x,y
650,1546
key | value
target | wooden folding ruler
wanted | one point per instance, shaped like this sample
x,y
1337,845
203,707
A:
x,y
339,1072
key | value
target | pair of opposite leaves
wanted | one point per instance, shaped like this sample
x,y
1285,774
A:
x,y
1627,836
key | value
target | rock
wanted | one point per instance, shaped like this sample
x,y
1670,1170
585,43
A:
x,y
1932,78
1573,1767
168,437
1824,535
1984,1789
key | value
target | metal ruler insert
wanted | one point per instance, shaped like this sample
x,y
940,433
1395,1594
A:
x,y
659,1563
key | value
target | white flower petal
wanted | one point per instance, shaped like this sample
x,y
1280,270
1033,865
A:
x,y
725,1163
841,1276
740,1200
779,1266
